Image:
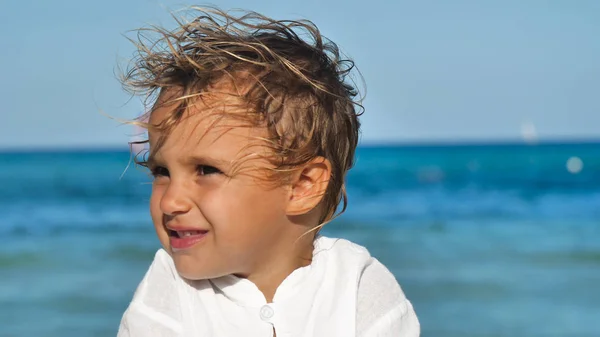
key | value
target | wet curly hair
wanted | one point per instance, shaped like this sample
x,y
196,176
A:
x,y
302,90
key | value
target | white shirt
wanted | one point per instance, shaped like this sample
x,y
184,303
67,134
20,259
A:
x,y
344,292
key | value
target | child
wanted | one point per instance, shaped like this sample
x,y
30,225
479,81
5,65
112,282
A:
x,y
251,133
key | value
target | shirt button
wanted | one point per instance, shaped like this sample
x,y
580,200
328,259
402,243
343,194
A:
x,y
266,312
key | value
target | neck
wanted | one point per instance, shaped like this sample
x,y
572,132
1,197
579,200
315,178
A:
x,y
271,272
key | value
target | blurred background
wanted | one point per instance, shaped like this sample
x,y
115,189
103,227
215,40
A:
x,y
477,179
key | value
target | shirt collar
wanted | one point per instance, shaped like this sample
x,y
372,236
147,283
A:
x,y
246,293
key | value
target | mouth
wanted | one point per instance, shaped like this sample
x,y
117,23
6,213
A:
x,y
184,239
185,233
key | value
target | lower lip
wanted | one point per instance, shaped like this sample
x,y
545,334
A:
x,y
186,242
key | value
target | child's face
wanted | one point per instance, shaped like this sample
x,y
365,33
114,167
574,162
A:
x,y
235,219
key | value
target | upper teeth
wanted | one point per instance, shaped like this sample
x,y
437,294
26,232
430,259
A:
x,y
188,233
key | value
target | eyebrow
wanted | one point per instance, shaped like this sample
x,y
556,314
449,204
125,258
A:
x,y
192,160
195,160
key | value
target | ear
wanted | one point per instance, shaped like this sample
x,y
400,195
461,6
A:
x,y
308,186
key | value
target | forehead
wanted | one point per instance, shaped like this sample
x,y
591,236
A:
x,y
215,123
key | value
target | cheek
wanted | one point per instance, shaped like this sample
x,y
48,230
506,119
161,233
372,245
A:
x,y
244,212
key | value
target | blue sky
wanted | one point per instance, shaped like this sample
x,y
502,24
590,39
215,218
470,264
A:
x,y
436,71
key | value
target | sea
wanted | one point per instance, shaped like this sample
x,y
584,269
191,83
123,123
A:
x,y
485,240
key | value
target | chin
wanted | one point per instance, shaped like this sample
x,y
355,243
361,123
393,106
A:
x,y
191,269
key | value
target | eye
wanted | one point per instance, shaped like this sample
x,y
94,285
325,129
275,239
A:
x,y
205,170
159,171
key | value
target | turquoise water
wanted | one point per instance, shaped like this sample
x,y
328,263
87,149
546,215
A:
x,y
485,240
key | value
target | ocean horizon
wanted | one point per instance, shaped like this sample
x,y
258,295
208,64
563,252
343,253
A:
x,y
442,143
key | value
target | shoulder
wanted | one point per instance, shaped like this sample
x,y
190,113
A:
x,y
377,280
155,305
342,258
382,308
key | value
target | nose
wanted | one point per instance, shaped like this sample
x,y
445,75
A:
x,y
174,200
